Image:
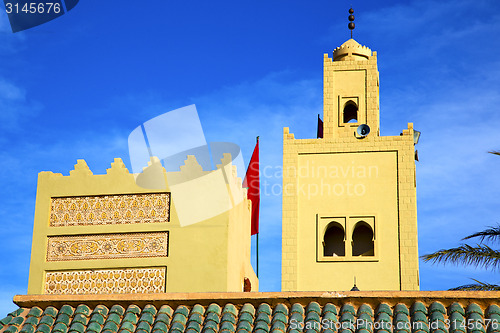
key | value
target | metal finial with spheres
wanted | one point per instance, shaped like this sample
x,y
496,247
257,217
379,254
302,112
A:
x,y
351,25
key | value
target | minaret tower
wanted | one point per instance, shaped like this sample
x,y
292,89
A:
x,y
349,197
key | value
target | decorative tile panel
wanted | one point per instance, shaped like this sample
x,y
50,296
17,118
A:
x,y
106,281
110,209
107,246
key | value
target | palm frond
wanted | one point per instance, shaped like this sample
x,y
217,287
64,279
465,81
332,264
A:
x,y
495,152
479,256
490,234
479,286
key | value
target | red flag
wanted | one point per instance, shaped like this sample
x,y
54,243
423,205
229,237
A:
x,y
252,182
320,128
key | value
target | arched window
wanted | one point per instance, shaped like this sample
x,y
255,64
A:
x,y
350,112
333,241
362,240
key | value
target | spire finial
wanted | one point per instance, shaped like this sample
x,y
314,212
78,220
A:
x,y
351,25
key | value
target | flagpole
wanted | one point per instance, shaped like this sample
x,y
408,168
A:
x,y
258,234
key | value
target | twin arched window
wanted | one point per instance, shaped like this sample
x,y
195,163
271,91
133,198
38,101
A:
x,y
362,241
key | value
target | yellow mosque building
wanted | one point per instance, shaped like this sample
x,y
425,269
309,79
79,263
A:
x,y
349,198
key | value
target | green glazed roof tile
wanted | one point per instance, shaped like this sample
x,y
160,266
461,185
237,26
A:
x,y
151,309
264,308
436,306
294,331
188,330
495,318
457,326
315,307
50,311
193,325
248,308
77,327
149,318
211,324
401,308
140,330
94,327
228,317
456,316
183,310
296,317
97,318
47,320
347,308
117,309
179,318
347,316
134,309
385,308
110,326
160,326
297,308
197,308
33,321
11,329
331,317
418,307
123,331
17,321
281,308
245,326
279,325
161,317
209,329
130,317
281,317
143,325
263,317
28,329
83,310
363,330
329,307
261,325
63,318
227,326
456,307
107,331
245,316
474,316
35,312
473,307
312,316
277,330
115,318
79,318
67,310
127,326
17,312
44,328
212,316
6,320
493,308
230,308
60,327
365,317
436,315
384,317
101,309
419,317
196,317
365,308
166,310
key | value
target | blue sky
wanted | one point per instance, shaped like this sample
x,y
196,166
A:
x,y
77,86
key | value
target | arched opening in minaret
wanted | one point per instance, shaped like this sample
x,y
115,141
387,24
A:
x,y
333,241
362,240
350,112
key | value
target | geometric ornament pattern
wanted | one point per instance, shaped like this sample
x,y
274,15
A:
x,y
110,209
107,246
106,281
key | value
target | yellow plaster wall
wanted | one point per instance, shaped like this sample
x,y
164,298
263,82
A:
x,y
198,260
